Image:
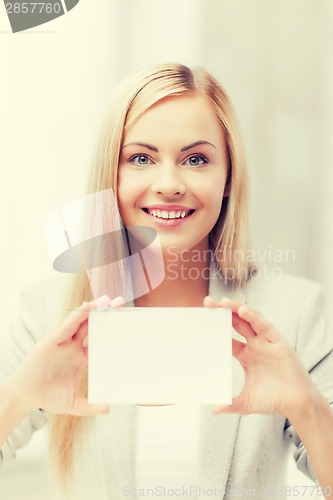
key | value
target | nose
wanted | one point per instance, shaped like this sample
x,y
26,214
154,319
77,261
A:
x,y
169,181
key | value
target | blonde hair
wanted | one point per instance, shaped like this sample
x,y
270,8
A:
x,y
229,237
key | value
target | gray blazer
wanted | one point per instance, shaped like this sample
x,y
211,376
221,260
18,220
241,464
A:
x,y
234,452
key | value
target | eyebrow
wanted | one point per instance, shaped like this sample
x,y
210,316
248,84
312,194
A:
x,y
197,143
154,148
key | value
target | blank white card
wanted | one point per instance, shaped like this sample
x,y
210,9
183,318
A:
x,y
153,355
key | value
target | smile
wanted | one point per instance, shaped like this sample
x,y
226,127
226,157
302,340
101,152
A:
x,y
168,214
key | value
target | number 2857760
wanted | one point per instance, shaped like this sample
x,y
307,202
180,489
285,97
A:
x,y
33,8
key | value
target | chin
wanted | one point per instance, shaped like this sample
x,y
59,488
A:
x,y
176,248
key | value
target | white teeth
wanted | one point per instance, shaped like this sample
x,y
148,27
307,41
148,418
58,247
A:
x,y
164,214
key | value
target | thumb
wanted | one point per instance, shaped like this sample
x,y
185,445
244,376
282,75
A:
x,y
84,409
235,407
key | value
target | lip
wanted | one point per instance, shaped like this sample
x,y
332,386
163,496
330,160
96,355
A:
x,y
168,222
167,207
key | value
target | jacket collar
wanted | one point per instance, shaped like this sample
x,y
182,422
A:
x,y
218,432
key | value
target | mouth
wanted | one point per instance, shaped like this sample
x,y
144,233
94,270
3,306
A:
x,y
169,214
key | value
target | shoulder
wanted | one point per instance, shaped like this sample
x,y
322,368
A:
x,y
283,293
296,307
267,287
280,298
45,301
41,310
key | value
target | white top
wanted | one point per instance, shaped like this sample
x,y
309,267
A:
x,y
166,448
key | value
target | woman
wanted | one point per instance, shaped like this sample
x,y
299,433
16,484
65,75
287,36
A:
x,y
171,152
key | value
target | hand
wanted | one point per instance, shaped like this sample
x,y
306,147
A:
x,y
49,377
275,379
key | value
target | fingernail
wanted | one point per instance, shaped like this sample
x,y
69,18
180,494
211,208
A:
x,y
117,301
103,302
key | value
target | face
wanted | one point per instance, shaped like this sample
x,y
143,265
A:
x,y
173,170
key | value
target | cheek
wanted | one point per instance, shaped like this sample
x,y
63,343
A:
x,y
211,194
130,190
125,195
127,188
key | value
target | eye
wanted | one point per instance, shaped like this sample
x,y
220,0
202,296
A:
x,y
196,160
140,159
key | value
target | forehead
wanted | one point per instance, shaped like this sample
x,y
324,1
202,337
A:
x,y
187,118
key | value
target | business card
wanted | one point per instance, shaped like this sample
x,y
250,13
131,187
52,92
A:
x,y
164,355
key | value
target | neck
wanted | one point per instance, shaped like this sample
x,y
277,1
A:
x,y
185,284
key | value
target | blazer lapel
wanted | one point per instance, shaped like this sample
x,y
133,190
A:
x,y
216,446
115,440
218,432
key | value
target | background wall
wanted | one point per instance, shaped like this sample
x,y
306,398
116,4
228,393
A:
x,y
274,58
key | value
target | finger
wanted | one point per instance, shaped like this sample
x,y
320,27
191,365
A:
x,y
84,409
243,327
117,302
104,302
237,348
254,318
260,325
210,302
231,304
237,406
224,302
217,410
72,322
82,333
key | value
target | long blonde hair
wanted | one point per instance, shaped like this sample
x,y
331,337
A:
x,y
229,237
